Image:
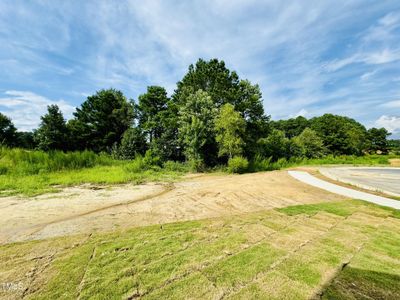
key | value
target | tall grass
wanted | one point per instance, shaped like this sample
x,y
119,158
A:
x,y
36,172
265,164
24,162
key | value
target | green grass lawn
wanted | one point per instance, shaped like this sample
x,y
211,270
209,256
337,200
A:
x,y
343,250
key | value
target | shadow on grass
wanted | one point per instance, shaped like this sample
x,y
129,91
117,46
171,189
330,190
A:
x,y
353,283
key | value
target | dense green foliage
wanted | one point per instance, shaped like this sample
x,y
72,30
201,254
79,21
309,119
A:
x,y
151,108
196,127
35,172
52,133
230,127
224,86
394,145
341,135
101,121
212,116
309,144
378,139
133,143
238,164
8,132
275,145
292,127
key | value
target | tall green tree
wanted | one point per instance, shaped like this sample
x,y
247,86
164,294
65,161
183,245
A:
x,y
157,116
377,138
224,86
341,135
26,140
291,127
212,77
229,127
8,132
249,104
196,127
101,120
151,108
167,145
311,145
52,133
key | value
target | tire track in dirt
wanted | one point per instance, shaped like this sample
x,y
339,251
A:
x,y
37,228
205,196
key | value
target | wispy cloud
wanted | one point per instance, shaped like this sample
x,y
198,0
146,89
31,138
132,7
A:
x,y
368,75
392,104
25,108
391,123
317,57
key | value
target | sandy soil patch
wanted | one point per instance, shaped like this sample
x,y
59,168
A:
x,y
395,162
87,209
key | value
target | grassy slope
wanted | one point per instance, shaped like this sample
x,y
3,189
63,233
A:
x,y
291,253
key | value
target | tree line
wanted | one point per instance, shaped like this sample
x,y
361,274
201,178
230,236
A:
x,y
212,117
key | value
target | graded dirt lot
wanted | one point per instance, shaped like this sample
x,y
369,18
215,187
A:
x,y
88,209
253,236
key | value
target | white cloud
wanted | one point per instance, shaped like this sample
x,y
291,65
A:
x,y
373,48
291,49
367,75
302,112
381,57
392,104
25,108
376,57
391,123
383,30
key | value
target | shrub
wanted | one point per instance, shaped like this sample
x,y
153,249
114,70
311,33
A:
x,y
238,164
175,166
133,143
260,164
310,144
196,165
276,145
136,165
280,164
151,159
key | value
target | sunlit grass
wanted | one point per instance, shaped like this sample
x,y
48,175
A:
x,y
35,172
292,256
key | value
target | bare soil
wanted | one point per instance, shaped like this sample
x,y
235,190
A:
x,y
88,208
394,162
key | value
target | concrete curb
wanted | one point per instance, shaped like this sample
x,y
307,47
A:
x,y
337,189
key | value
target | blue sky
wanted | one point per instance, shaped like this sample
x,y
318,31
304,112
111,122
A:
x,y
309,57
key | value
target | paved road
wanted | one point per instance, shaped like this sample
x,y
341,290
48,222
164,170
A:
x,y
311,180
386,180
